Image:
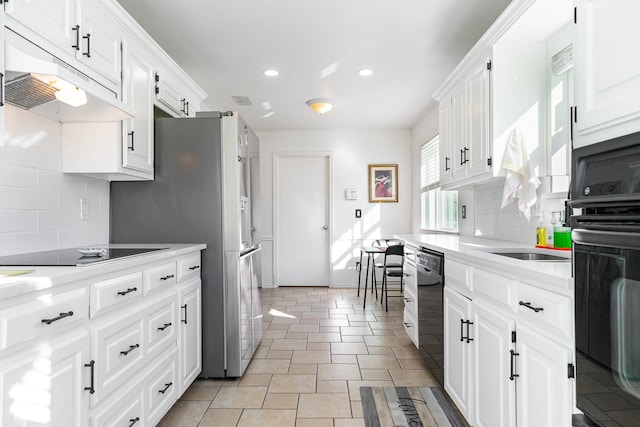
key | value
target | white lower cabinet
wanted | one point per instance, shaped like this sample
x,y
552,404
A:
x,y
46,384
504,366
190,336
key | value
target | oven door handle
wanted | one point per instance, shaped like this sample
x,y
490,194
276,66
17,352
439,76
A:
x,y
611,239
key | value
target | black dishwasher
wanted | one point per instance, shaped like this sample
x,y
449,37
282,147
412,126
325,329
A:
x,y
430,275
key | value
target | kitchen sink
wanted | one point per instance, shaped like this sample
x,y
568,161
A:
x,y
533,256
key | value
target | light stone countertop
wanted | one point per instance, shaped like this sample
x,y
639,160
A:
x,y
551,274
44,277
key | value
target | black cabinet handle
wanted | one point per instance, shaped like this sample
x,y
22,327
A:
x,y
167,277
77,30
134,421
513,375
461,330
446,164
407,299
465,155
408,325
185,314
61,316
131,135
461,157
165,326
166,387
183,102
462,337
127,291
131,348
530,307
187,107
91,365
88,52
194,267
1,89
469,323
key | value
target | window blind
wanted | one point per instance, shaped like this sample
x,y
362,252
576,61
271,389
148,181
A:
x,y
430,165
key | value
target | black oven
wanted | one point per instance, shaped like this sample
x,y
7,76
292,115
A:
x,y
606,266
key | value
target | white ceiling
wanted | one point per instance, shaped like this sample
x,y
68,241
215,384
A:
x,y
318,46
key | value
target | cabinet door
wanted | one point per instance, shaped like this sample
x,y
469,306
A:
x,y
457,350
607,73
445,140
543,389
477,147
494,394
52,21
101,38
458,132
46,386
138,87
190,342
168,94
2,74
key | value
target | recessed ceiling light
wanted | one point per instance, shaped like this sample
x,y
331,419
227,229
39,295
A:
x,y
365,72
271,73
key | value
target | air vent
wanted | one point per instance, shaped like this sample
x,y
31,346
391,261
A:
x,y
27,92
241,100
562,61
70,69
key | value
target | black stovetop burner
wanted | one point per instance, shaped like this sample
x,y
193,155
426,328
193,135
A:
x,y
70,257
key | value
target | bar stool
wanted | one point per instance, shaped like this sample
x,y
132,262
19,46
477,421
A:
x,y
391,268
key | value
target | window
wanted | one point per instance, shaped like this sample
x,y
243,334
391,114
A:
x,y
439,209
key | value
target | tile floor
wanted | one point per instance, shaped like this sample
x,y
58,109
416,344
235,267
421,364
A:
x,y
319,346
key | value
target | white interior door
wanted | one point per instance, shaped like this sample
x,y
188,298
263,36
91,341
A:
x,y
302,219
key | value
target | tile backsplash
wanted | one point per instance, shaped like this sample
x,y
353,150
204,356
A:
x,y
39,205
508,223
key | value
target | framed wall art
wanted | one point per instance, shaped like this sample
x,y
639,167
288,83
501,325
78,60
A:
x,y
383,183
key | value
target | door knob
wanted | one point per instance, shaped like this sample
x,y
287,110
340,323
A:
x,y
325,227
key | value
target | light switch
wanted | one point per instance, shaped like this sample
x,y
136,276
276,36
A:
x,y
84,209
464,211
358,213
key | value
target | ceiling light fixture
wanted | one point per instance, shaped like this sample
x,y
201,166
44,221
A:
x,y
271,73
321,105
365,72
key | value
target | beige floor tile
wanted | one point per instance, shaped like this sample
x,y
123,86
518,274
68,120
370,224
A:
x,y
324,406
375,374
311,356
293,384
289,344
404,352
317,422
254,380
329,329
352,338
268,366
334,322
348,348
279,327
356,409
349,422
240,397
184,414
355,330
213,383
220,418
268,418
410,378
413,364
319,346
280,401
316,315
354,387
382,340
331,386
297,335
338,372
384,332
324,337
303,369
383,325
379,350
280,354
274,333
200,393
304,328
344,358
362,317
378,361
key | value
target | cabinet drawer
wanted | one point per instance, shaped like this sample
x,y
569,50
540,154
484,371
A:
x,y
554,316
410,302
122,413
160,325
161,388
159,277
411,327
189,267
114,292
498,288
410,277
47,315
119,350
458,273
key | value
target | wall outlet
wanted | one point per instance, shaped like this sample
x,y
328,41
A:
x,y
84,209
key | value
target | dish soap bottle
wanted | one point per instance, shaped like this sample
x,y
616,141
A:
x,y
561,234
541,233
549,231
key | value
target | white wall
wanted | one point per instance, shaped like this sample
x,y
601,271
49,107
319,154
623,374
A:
x,y
353,151
39,205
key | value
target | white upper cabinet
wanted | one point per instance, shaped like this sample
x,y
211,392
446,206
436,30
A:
x,y
477,151
2,74
607,70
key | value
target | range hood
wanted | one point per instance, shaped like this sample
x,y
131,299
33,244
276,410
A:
x,y
29,84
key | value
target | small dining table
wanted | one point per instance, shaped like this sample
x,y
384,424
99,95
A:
x,y
370,251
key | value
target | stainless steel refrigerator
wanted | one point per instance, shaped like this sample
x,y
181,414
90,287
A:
x,y
206,190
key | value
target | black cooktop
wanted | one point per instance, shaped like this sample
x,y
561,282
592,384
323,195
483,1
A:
x,y
70,257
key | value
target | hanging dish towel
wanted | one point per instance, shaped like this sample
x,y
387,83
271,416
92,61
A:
x,y
521,182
